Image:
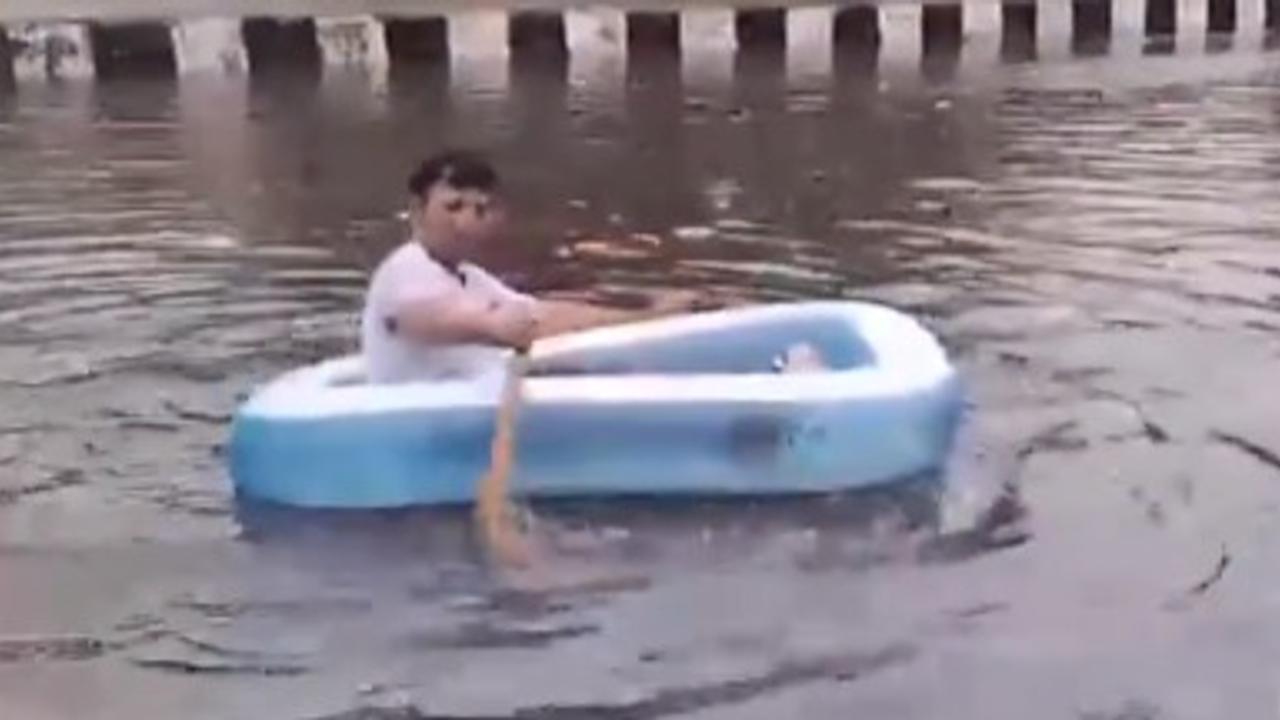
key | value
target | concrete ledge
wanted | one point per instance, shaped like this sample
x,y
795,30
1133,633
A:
x,y
11,10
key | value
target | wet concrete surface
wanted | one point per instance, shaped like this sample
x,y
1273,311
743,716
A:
x,y
1092,239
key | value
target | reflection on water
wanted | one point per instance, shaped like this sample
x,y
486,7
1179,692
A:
x,y
1093,240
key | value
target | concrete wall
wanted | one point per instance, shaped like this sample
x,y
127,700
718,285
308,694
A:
x,y
853,31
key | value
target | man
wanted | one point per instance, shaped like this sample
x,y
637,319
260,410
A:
x,y
429,312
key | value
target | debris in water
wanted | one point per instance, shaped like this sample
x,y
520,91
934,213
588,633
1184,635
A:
x,y
1259,452
1130,324
63,648
1224,561
1073,375
1155,513
1003,522
1010,358
980,609
154,425
201,667
1153,509
1155,433
196,414
1052,438
481,635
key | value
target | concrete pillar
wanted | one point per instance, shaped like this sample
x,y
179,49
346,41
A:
x,y
810,52
213,44
942,30
416,40
1162,17
761,29
707,48
273,44
357,40
7,80
132,49
651,32
1091,22
537,36
1018,28
54,50
1222,16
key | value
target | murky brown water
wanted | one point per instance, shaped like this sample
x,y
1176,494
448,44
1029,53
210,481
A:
x,y
1094,240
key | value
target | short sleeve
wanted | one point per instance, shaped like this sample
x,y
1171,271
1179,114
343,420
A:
x,y
486,283
408,276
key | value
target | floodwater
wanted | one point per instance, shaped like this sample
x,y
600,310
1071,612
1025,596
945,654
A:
x,y
1094,239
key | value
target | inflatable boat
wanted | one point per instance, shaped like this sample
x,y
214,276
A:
x,y
703,404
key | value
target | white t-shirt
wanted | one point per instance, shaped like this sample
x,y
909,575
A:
x,y
410,274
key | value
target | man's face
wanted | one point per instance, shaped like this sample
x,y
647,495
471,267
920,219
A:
x,y
456,222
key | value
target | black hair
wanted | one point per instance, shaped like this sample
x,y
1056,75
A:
x,y
463,169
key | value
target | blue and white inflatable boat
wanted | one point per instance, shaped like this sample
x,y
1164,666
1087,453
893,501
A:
x,y
692,405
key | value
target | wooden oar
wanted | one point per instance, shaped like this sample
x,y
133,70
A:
x,y
503,540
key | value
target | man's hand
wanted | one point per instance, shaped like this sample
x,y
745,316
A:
x,y
513,325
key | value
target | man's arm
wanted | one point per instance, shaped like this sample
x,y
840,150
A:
x,y
557,317
456,318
